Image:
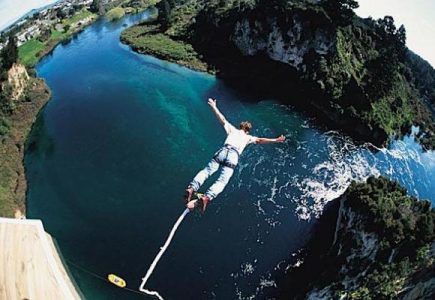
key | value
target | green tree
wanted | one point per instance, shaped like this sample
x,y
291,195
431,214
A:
x,y
61,14
4,124
9,53
164,8
45,34
391,46
97,6
340,11
7,106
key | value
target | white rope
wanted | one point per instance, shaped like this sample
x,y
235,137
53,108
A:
x,y
159,255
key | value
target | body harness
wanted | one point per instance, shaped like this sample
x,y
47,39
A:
x,y
226,162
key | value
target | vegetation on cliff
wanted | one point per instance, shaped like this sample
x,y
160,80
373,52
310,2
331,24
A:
x,y
355,71
379,249
399,220
8,56
423,77
21,97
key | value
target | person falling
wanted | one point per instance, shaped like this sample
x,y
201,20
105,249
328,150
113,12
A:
x,y
226,157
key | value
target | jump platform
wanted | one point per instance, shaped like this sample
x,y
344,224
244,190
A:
x,y
30,265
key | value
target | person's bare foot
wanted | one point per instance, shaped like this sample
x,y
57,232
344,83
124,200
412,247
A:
x,y
192,204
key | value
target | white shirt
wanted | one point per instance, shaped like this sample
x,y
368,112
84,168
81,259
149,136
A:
x,y
238,137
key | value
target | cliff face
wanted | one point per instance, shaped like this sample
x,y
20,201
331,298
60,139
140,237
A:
x,y
17,80
357,248
383,247
288,45
12,175
349,71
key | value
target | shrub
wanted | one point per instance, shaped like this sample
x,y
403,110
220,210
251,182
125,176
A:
x,y
115,13
4,126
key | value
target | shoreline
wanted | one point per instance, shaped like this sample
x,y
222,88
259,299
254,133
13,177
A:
x,y
148,40
138,37
13,186
317,68
13,145
325,117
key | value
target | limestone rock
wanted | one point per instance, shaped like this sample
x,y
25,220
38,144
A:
x,y
17,80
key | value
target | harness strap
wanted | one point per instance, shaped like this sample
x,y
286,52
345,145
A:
x,y
226,162
228,146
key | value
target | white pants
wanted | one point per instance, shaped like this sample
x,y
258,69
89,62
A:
x,y
222,156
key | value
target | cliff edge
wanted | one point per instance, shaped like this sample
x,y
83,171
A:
x,y
381,246
354,74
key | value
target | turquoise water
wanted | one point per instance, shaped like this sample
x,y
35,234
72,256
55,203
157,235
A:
x,y
111,153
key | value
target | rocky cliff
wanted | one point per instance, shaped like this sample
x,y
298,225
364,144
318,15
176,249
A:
x,y
382,246
352,71
17,80
318,55
21,98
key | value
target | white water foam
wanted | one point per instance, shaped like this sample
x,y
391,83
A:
x,y
324,173
303,177
332,177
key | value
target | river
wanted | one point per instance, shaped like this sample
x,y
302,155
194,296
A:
x,y
110,155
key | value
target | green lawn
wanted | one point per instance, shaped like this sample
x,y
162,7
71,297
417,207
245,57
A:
x,y
28,52
115,13
58,36
83,14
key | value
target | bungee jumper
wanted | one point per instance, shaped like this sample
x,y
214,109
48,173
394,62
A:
x,y
225,158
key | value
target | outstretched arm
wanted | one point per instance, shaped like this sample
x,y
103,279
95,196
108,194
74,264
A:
x,y
216,111
279,139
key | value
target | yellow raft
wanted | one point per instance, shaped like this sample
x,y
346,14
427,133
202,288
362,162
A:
x,y
118,281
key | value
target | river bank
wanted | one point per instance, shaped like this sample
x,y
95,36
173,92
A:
x,y
297,51
97,181
149,39
373,242
13,183
35,95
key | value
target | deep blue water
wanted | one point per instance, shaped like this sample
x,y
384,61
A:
x,y
123,135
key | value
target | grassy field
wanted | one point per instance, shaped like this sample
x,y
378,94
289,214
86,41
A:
x,y
81,15
115,13
28,52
